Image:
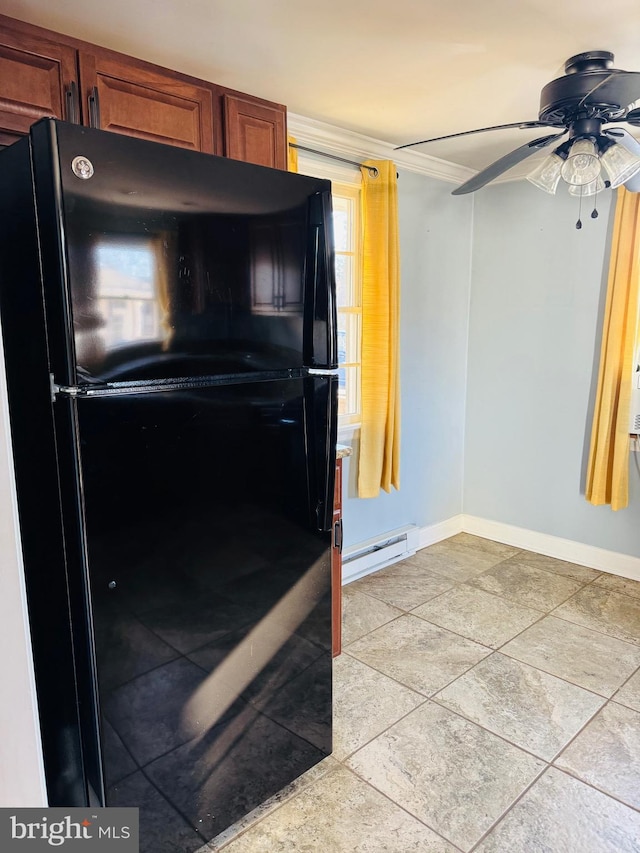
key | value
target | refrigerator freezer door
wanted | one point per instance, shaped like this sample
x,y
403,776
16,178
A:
x,y
210,588
177,264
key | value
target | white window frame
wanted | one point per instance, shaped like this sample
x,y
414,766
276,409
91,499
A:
x,y
353,308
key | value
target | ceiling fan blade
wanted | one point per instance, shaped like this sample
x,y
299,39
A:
x,y
504,163
523,125
632,117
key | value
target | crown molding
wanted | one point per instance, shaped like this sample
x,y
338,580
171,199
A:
x,y
348,143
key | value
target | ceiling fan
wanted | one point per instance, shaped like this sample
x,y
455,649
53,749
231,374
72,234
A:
x,y
589,97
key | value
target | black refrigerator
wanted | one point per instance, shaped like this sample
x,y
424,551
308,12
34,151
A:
x,y
169,329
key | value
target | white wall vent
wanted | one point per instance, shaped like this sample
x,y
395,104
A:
x,y
375,554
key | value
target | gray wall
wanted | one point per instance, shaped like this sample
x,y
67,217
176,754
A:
x,y
536,302
435,245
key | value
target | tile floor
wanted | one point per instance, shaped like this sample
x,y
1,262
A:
x,y
487,700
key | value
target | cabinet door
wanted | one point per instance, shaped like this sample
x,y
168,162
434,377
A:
x,y
135,99
255,132
37,78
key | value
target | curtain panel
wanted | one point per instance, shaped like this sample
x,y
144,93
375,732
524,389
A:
x,y
292,156
608,471
379,461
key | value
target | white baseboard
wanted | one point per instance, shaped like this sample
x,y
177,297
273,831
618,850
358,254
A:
x,y
442,530
624,565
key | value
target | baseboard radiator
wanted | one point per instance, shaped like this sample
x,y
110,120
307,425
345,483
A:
x,y
375,554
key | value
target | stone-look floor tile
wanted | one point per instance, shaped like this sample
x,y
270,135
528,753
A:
x,y
531,709
607,754
527,585
341,814
456,562
618,584
486,546
610,612
328,765
418,654
629,693
448,772
478,615
404,585
560,814
365,704
362,613
582,574
576,654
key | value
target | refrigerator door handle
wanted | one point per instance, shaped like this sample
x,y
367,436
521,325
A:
x,y
320,321
330,275
322,433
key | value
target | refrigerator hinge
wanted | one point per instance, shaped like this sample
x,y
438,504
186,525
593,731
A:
x,y
67,390
314,371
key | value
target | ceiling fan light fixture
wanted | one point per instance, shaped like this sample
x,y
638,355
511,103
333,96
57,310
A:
x,y
620,164
546,176
582,166
594,187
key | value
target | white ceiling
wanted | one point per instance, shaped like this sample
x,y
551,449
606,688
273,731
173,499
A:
x,y
395,70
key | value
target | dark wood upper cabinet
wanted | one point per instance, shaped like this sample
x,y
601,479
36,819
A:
x,y
38,78
255,131
43,73
129,97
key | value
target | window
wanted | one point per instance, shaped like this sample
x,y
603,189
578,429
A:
x,y
346,227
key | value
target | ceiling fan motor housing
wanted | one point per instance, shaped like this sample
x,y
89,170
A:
x,y
592,60
590,88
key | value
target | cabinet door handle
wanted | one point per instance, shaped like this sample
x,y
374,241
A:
x,y
94,108
337,535
72,105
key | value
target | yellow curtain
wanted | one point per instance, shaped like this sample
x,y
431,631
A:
x,y
608,472
379,465
293,154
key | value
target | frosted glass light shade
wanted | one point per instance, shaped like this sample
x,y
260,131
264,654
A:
x,y
546,176
594,187
620,164
582,166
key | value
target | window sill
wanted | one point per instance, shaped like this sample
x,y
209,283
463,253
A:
x,y
347,433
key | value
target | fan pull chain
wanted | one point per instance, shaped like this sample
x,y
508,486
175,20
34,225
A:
x,y
594,212
579,222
